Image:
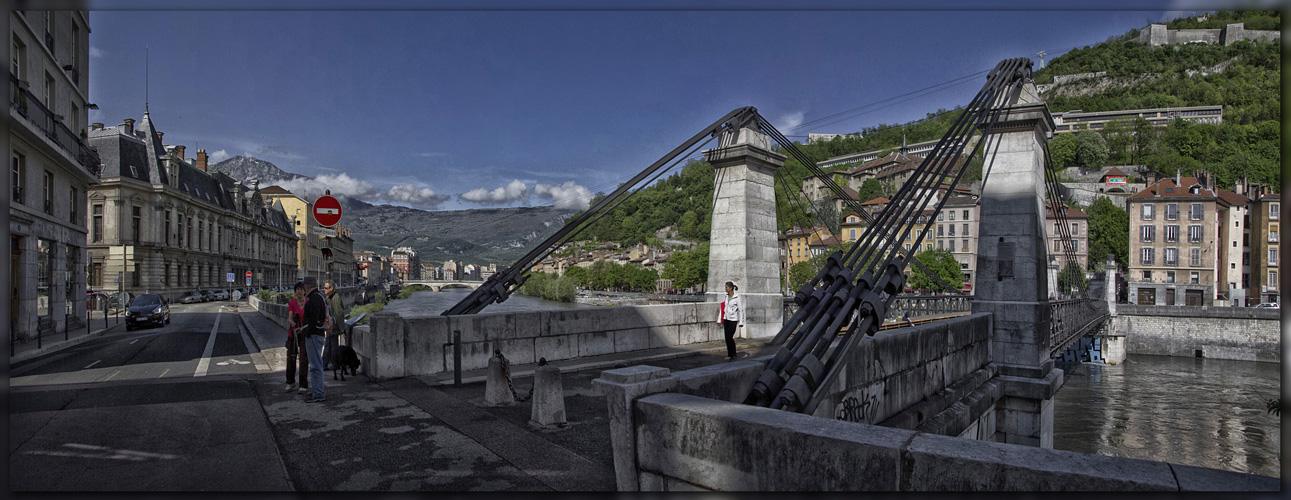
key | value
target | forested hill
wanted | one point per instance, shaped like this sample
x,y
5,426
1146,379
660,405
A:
x,y
1245,78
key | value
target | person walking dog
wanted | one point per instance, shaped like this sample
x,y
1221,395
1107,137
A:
x,y
731,317
315,329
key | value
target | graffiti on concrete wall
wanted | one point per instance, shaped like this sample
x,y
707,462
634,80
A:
x,y
861,405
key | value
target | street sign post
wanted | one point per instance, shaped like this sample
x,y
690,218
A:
x,y
229,277
324,231
248,278
327,211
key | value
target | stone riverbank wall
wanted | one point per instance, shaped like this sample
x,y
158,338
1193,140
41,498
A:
x,y
1237,333
403,342
927,387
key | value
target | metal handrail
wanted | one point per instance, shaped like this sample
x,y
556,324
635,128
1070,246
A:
x,y
34,110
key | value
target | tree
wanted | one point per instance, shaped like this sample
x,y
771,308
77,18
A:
x,y
870,189
1109,231
578,276
687,268
1062,150
1091,149
803,272
827,212
942,263
1071,280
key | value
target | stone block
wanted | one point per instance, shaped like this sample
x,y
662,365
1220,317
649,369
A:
x,y
531,324
389,347
424,348
475,355
1203,479
723,381
730,446
595,343
650,482
548,407
518,351
665,336
666,315
631,340
554,348
634,374
483,327
695,333
895,351
942,463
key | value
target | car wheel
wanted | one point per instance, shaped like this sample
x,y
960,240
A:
x,y
167,319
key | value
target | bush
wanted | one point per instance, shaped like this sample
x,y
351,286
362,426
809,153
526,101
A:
x,y
381,298
265,295
366,308
285,297
407,291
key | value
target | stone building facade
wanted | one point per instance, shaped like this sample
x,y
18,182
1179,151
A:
x,y
312,247
51,170
1174,243
161,223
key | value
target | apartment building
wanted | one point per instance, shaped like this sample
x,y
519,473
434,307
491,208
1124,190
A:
x,y
52,170
1175,243
1077,226
1265,236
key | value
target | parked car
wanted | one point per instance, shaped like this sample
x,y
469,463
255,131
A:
x,y
191,297
208,295
1271,305
221,295
147,309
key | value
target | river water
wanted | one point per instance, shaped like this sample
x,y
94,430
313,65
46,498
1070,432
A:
x,y
1190,411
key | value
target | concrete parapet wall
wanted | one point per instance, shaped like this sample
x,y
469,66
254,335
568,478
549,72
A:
x,y
1245,334
687,443
275,312
407,343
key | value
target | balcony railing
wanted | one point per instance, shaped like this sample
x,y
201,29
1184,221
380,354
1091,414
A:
x,y
35,111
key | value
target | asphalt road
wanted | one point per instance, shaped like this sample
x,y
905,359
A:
x,y
154,409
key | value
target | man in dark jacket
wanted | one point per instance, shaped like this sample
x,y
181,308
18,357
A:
x,y
315,319
338,323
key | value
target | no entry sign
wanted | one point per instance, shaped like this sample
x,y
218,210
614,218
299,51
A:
x,y
327,211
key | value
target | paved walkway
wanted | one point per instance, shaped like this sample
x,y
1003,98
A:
x,y
57,341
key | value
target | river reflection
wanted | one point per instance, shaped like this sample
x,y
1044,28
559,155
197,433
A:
x,y
437,302
1190,411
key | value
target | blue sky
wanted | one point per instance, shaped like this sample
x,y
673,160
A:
x,y
471,109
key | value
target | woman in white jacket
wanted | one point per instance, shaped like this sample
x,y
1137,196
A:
x,y
730,317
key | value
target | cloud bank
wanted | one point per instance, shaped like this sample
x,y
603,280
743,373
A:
x,y
568,195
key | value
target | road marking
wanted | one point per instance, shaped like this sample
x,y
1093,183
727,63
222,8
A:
x,y
163,373
115,373
205,362
87,367
133,341
233,362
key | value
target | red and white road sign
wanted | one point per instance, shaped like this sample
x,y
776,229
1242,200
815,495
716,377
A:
x,y
248,274
327,211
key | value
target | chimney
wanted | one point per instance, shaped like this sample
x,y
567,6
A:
x,y
96,126
129,123
201,159
159,134
179,151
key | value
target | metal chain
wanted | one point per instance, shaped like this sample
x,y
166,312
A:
x,y
506,373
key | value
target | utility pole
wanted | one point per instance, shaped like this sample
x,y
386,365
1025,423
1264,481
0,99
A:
x,y
1041,54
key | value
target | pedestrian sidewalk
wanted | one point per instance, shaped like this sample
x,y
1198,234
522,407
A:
x,y
52,342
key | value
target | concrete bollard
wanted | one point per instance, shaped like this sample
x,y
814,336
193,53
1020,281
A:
x,y
496,390
548,398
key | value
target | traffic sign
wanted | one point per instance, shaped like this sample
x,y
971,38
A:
x,y
229,277
248,274
327,211
248,281
324,231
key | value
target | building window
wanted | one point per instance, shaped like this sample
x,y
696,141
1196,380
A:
x,y
1171,233
940,230
941,216
964,246
49,192
1273,211
1273,256
1196,233
952,215
1057,246
1147,275
167,228
1273,233
1169,276
49,93
1194,257
96,232
1147,256
190,232
965,215
965,233
1195,212
74,215
1147,211
951,228
19,175
17,65
44,275
1075,229
1171,211
1147,234
179,231
851,234
136,223
1194,277
940,245
201,233
1273,280
1171,256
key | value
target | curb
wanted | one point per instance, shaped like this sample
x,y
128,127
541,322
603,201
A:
x,y
60,345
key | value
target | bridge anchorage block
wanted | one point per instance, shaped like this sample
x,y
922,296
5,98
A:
x,y
548,398
497,392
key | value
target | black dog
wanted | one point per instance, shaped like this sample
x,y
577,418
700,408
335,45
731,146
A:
x,y
346,358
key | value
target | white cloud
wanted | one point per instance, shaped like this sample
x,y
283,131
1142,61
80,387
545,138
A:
x,y
412,195
218,156
340,185
789,121
430,155
567,195
96,52
514,191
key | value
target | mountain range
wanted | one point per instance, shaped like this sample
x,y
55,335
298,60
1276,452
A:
x,y
480,236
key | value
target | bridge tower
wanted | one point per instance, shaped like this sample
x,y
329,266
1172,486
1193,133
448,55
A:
x,y
743,245
1012,281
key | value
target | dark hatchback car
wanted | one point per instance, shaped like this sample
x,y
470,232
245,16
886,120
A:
x,y
147,309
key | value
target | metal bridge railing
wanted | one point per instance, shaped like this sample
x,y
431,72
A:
x,y
1073,318
913,305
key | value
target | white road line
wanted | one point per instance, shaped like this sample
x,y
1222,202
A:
x,y
163,373
92,364
205,362
261,365
133,341
115,373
